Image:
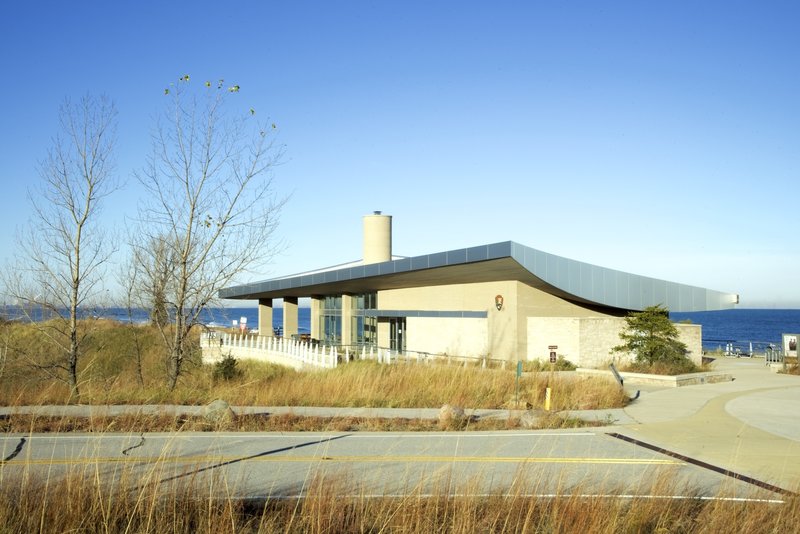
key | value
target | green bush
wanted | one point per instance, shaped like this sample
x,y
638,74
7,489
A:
x,y
653,340
227,369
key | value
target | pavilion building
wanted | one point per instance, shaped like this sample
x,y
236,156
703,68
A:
x,y
502,301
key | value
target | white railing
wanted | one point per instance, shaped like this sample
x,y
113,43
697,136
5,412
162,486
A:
x,y
773,355
305,355
297,354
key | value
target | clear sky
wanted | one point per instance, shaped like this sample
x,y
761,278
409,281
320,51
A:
x,y
661,138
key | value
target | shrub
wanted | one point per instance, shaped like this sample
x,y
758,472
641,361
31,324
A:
x,y
653,339
562,364
677,367
227,369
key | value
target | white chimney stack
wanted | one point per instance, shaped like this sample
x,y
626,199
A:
x,y
377,238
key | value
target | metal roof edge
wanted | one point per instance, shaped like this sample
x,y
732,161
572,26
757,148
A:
x,y
575,279
619,289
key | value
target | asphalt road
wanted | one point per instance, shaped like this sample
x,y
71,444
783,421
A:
x,y
259,465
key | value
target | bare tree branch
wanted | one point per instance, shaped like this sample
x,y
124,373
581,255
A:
x,y
211,202
62,253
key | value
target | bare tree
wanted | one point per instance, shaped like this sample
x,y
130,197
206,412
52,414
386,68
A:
x,y
150,274
144,278
61,255
159,272
129,278
210,201
5,338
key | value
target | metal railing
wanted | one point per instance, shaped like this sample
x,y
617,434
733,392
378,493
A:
x,y
742,349
393,357
773,354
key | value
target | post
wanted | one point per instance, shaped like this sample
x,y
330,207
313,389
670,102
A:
x,y
616,374
548,393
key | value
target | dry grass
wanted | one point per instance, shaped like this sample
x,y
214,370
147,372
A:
x,y
665,368
108,376
25,423
81,501
368,384
792,367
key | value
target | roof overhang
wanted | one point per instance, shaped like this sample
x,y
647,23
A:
x,y
569,279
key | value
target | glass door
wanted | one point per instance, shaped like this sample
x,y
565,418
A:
x,y
397,334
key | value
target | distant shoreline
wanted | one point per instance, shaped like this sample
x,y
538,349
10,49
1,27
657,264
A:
x,y
740,326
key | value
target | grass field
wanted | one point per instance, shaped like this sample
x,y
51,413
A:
x,y
109,374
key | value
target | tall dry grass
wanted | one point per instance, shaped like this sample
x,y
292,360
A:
x,y
85,501
109,375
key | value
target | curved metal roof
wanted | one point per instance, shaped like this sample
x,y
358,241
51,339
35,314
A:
x,y
569,279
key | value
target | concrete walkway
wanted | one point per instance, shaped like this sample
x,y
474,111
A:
x,y
750,426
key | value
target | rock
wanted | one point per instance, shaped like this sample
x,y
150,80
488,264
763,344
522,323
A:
x,y
529,420
219,412
449,415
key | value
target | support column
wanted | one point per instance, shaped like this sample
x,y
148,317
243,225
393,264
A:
x,y
265,318
383,333
290,316
348,303
316,327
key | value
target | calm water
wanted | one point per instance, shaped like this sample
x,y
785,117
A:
x,y
741,326
226,316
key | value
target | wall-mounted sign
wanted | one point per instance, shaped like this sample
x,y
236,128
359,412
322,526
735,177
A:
x,y
498,302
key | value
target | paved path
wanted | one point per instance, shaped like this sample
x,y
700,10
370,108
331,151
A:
x,y
750,426
282,464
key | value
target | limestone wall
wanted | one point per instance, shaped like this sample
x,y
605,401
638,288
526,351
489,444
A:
x,y
496,335
505,335
587,341
452,336
529,321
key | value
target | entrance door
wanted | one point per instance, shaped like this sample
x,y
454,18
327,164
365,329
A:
x,y
397,333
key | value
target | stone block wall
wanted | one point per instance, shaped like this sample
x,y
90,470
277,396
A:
x,y
587,341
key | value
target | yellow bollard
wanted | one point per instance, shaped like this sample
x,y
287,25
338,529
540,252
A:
x,y
547,399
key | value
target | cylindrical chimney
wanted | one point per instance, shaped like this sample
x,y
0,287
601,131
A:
x,y
377,238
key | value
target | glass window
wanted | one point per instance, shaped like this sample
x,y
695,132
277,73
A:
x,y
331,319
364,329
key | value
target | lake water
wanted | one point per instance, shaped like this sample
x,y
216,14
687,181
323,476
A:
x,y
743,326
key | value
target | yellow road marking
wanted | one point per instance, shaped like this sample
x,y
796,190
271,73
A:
x,y
203,460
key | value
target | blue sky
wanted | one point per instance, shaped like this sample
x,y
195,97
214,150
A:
x,y
656,138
